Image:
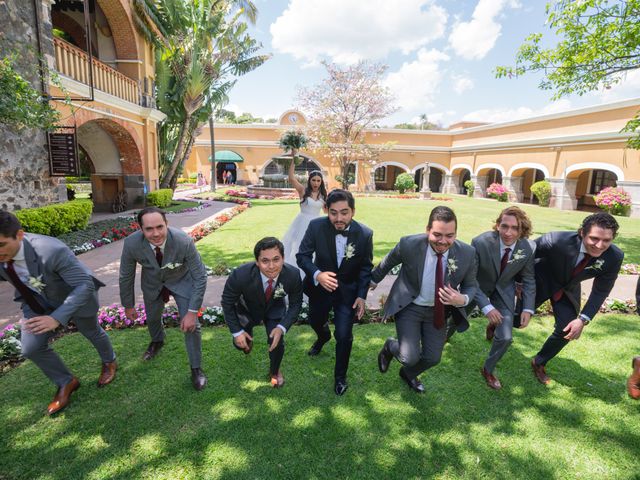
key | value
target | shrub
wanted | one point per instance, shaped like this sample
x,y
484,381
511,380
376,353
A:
x,y
405,182
613,200
10,345
469,185
160,198
497,191
542,191
56,219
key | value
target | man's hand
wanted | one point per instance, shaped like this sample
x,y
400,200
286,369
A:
x,y
188,323
327,280
372,285
131,313
242,341
359,307
43,324
450,296
495,317
275,336
573,329
524,319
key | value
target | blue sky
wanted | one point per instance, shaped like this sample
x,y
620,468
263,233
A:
x,y
441,56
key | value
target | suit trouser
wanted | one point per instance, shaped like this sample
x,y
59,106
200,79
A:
x,y
192,340
564,312
503,338
419,345
343,316
36,347
276,355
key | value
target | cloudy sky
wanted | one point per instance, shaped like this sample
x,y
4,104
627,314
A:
x,y
441,56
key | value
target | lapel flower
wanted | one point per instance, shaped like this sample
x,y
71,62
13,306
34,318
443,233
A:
x,y
171,266
517,255
279,292
36,283
350,251
597,265
452,266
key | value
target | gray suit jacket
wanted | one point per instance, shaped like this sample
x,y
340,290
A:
x,y
498,289
70,289
411,252
187,279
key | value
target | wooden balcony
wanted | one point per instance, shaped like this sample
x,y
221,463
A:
x,y
74,63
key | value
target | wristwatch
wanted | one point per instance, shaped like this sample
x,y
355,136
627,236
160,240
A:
x,y
585,320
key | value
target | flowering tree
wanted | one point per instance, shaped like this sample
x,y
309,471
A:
x,y
341,108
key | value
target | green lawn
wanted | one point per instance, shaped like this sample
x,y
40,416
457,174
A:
x,y
390,219
151,424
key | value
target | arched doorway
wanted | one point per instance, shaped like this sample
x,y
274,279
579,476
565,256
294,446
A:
x,y
227,171
386,173
464,177
435,178
589,184
523,176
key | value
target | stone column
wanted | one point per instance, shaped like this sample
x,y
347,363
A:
x,y
480,183
450,184
633,189
563,193
514,187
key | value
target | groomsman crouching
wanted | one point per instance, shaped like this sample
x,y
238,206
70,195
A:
x,y
266,291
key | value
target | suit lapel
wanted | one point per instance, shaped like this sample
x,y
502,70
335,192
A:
x,y
452,259
495,252
352,239
331,242
256,282
31,259
149,252
422,258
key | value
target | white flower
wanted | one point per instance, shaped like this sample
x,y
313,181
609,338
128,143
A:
x,y
517,255
350,251
279,292
597,265
451,266
36,283
171,266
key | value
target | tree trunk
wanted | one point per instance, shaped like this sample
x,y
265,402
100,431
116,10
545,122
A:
x,y
174,180
177,158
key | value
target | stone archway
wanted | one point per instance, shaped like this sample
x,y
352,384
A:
x,y
436,178
385,174
485,176
454,182
588,183
521,177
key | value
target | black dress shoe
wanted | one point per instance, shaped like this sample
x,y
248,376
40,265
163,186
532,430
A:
x,y
340,387
316,348
152,350
198,378
415,384
385,356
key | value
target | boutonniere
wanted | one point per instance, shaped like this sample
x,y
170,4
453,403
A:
x,y
171,266
350,251
597,265
279,292
452,266
517,255
36,283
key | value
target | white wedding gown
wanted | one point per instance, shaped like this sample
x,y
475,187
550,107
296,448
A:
x,y
309,210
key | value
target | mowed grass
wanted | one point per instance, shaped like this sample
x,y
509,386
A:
x,y
390,219
151,424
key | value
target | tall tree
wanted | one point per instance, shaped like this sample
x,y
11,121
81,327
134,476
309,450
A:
x,y
201,45
599,42
341,108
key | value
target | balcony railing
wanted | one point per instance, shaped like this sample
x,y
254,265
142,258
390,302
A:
x,y
74,63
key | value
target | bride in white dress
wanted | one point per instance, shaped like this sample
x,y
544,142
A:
x,y
312,199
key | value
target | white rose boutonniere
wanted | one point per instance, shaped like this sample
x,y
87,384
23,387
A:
x,y
452,266
36,283
350,251
597,265
517,256
279,292
171,266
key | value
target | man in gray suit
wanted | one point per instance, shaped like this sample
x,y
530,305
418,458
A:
x,y
503,255
54,287
171,265
437,280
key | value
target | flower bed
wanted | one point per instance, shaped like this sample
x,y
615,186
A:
x,y
497,191
205,228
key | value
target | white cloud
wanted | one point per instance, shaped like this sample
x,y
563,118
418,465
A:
x,y
472,40
629,87
416,83
497,115
461,83
346,32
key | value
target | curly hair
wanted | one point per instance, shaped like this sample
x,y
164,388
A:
x,y
601,219
524,223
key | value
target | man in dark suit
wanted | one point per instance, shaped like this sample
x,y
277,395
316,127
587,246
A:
x,y
563,260
53,287
436,281
503,255
266,291
338,277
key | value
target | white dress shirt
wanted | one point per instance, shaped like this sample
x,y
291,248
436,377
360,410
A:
x,y
428,284
341,249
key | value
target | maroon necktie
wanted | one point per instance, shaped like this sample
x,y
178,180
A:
x,y
269,290
576,271
438,306
165,291
25,292
505,259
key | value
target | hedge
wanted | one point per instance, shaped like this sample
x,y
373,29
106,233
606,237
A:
x,y
56,219
160,198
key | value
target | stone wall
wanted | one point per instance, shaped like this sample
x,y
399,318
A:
x,y
24,167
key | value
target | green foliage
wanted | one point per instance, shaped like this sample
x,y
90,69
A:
x,y
404,182
542,191
351,179
56,219
293,140
470,186
160,198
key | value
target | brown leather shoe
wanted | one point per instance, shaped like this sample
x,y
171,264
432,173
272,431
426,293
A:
x,y
492,381
152,350
633,384
491,331
540,373
198,379
63,395
108,373
277,380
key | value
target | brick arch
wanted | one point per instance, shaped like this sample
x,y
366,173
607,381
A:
x,y
128,145
118,14
70,26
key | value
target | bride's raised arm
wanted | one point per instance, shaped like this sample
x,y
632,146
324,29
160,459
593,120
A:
x,y
294,181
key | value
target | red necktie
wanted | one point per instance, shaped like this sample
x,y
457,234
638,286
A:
x,y
269,291
576,271
505,259
438,306
25,292
165,291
